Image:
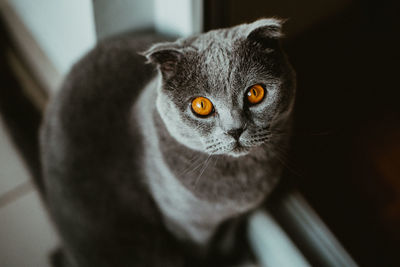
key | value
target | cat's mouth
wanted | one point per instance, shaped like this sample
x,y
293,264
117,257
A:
x,y
239,150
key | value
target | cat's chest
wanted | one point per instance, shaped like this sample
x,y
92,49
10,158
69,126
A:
x,y
185,215
196,217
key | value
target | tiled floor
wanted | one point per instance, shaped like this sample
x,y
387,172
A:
x,y
26,234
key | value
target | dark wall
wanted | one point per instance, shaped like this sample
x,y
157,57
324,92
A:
x,y
301,14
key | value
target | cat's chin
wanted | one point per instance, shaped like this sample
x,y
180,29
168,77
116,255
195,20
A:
x,y
237,154
238,151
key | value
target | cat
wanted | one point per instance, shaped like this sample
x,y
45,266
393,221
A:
x,y
156,158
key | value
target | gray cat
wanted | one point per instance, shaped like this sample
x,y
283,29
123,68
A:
x,y
148,166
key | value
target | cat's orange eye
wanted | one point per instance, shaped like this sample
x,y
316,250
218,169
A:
x,y
255,94
202,106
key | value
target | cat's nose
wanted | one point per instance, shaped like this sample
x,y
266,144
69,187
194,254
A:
x,y
235,133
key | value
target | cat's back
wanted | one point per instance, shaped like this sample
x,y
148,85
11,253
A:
x,y
102,86
88,129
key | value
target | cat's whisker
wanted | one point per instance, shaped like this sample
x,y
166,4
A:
x,y
209,141
281,150
192,171
220,148
262,139
215,149
202,171
257,139
285,164
190,167
213,145
283,157
261,135
280,134
216,160
265,129
261,132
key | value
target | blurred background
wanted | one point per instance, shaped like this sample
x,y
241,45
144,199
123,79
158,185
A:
x,y
345,155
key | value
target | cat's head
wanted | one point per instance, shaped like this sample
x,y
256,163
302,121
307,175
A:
x,y
224,91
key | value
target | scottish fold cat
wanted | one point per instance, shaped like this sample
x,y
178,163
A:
x,y
155,158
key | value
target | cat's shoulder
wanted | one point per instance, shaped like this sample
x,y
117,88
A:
x,y
114,68
92,108
101,87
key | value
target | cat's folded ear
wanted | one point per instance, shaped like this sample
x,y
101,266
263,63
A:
x,y
166,55
267,32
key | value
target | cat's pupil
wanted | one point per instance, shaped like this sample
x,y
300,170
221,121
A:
x,y
254,92
202,104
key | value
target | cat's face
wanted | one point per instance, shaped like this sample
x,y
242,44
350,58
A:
x,y
222,92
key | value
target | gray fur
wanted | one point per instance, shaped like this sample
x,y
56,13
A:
x,y
134,178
